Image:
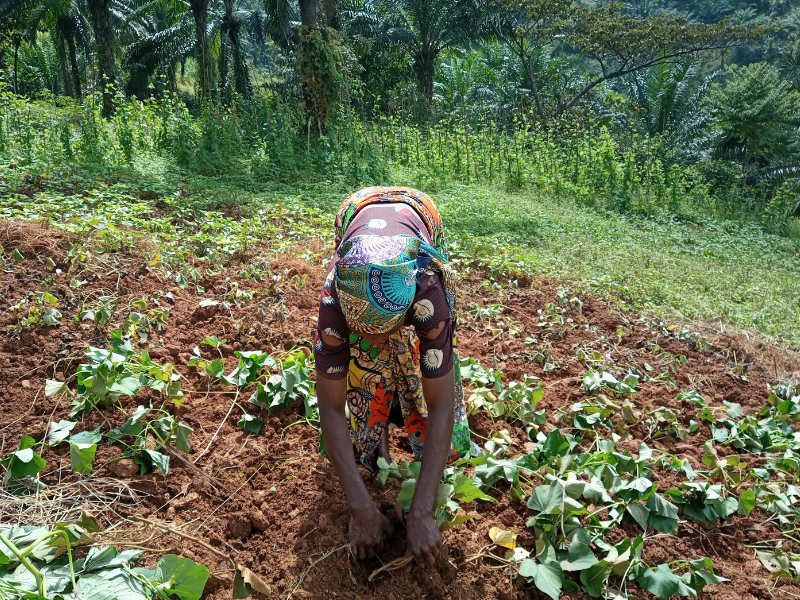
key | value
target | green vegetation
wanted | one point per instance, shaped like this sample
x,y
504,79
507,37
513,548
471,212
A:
x,y
34,567
656,240
646,152
578,496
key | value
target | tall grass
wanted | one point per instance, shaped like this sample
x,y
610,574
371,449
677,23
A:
x,y
265,139
629,174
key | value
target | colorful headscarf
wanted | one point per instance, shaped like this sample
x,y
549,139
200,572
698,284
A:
x,y
376,279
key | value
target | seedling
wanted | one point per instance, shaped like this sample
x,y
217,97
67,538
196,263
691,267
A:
x,y
101,311
454,488
22,467
729,470
42,311
138,434
488,311
596,381
111,373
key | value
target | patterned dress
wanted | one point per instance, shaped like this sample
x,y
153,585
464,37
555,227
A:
x,y
387,380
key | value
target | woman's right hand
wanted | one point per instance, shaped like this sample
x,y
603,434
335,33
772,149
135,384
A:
x,y
368,532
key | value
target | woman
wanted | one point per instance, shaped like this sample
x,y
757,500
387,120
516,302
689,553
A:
x,y
385,348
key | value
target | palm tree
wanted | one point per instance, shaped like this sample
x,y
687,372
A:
x,y
754,120
161,35
205,60
670,97
105,42
643,8
424,28
488,80
66,23
231,41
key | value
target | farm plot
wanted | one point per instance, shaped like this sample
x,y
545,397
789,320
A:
x,y
173,419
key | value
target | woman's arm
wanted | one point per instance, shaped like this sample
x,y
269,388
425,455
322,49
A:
x,y
424,539
368,527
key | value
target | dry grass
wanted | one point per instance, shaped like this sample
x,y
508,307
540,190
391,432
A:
x,y
744,346
33,238
65,502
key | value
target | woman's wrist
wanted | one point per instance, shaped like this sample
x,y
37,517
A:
x,y
420,511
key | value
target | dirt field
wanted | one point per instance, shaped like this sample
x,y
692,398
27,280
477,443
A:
x,y
272,503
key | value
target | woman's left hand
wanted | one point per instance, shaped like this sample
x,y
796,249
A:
x,y
424,538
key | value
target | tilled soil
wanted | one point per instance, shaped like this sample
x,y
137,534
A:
x,y
274,505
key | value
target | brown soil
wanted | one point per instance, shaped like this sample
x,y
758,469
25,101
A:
x,y
287,535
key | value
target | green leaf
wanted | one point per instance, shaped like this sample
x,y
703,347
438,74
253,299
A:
x,y
466,490
547,498
126,385
661,506
735,410
51,386
639,512
645,452
59,431
182,437
51,317
245,582
443,494
663,582
547,577
24,462
17,254
106,556
240,588
149,459
407,490
725,507
185,577
117,584
594,577
580,557
251,424
81,457
213,341
554,445
86,438
528,568
747,502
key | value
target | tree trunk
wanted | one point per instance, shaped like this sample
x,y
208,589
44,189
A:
x,y
17,42
73,61
534,87
100,14
224,82
241,75
204,59
62,59
331,8
425,67
308,13
241,72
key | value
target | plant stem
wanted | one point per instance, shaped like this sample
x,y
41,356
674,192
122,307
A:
x,y
41,580
63,534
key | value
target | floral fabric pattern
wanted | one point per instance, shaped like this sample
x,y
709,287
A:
x,y
380,377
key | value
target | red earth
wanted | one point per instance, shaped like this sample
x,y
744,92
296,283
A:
x,y
272,503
